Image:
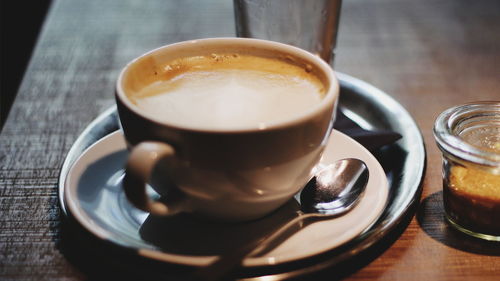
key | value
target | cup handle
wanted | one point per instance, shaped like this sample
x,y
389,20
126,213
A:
x,y
140,165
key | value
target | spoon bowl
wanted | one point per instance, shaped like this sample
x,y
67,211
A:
x,y
336,188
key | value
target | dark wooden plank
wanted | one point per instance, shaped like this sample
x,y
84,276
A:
x,y
70,80
19,31
428,54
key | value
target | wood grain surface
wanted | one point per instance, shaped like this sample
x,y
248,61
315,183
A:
x,y
429,55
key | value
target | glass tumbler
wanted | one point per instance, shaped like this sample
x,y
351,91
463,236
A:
x,y
310,25
469,138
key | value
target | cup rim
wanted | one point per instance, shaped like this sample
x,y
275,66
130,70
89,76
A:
x,y
331,96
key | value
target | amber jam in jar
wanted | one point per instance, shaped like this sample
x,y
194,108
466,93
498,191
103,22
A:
x,y
469,137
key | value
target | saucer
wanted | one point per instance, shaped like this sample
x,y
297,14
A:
x,y
94,196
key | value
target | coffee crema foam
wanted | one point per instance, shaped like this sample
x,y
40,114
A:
x,y
228,91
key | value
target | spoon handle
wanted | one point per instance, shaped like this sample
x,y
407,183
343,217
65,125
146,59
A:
x,y
227,262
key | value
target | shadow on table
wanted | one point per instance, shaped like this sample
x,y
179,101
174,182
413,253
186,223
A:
x,y
99,259
430,217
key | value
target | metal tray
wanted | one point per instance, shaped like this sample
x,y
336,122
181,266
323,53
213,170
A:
x,y
404,163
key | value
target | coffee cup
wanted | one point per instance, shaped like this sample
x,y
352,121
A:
x,y
227,128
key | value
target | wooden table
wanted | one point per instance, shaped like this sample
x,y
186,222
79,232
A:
x,y
429,55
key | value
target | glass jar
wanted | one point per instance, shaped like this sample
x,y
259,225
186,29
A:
x,y
469,138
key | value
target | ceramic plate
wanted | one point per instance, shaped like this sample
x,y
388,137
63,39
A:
x,y
95,198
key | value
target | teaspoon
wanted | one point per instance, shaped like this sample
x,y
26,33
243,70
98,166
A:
x,y
332,192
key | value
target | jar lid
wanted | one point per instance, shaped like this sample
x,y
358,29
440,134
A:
x,y
471,132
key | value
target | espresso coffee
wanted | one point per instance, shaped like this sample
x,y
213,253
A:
x,y
228,91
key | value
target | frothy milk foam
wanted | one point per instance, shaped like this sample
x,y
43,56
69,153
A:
x,y
229,91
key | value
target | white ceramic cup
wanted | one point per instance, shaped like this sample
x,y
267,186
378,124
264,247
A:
x,y
226,174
